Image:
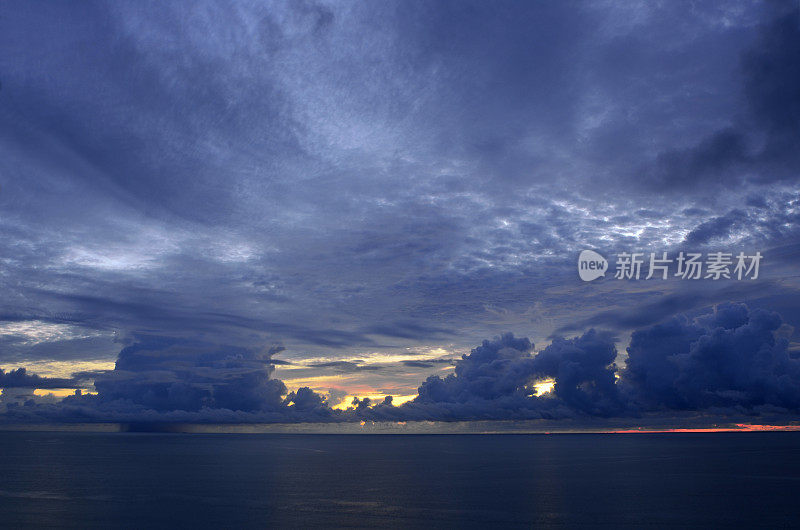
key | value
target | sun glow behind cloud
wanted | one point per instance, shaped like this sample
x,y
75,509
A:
x,y
544,387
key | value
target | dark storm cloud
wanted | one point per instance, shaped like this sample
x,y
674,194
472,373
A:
x,y
584,372
20,378
640,315
708,162
305,399
771,88
638,310
163,374
496,380
730,358
716,228
772,85
163,378
103,75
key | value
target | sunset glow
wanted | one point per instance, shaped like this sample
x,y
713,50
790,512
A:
x,y
739,427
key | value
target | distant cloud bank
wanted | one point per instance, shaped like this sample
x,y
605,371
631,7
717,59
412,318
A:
x,y
728,361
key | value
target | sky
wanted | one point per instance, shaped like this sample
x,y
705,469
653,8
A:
x,y
302,211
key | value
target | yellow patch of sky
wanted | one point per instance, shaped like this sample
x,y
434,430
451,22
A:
x,y
357,384
376,398
544,386
367,358
352,383
62,369
363,383
60,392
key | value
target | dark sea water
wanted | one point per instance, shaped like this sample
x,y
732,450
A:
x,y
129,480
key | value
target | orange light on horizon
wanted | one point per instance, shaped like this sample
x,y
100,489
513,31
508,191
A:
x,y
739,427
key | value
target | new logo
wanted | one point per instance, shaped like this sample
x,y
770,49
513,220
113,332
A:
x,y
591,265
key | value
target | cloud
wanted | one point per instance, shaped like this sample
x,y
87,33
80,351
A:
x,y
716,228
584,372
429,363
496,380
344,179
336,396
20,378
304,399
728,361
230,184
771,86
642,308
495,368
345,366
164,374
280,362
772,80
730,358
407,330
708,161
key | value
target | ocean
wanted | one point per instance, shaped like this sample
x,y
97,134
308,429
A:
x,y
142,480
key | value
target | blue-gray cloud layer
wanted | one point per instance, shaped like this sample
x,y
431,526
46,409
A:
x,y
350,177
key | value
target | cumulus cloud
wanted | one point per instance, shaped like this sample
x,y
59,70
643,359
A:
x,y
497,379
159,377
584,372
163,373
20,378
728,360
305,399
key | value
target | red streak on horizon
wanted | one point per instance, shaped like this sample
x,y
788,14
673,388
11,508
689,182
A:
x,y
739,427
